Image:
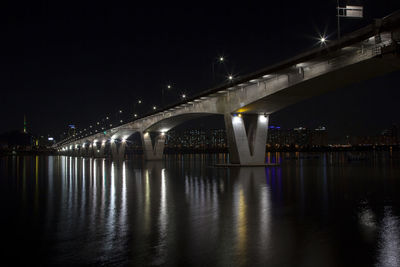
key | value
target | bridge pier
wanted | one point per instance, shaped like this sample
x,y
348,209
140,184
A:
x,y
75,151
85,151
153,151
95,151
118,149
247,137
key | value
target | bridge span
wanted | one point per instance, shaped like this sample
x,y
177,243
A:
x,y
246,103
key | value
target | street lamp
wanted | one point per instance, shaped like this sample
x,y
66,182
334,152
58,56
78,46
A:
x,y
183,96
323,40
169,86
134,107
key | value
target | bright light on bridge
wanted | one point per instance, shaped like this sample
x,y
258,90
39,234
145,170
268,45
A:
x,y
262,118
236,120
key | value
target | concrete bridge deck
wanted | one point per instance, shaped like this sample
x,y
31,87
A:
x,y
363,54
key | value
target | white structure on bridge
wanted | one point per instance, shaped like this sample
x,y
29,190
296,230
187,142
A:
x,y
247,103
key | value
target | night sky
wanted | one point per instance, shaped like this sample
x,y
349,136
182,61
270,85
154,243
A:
x,y
64,63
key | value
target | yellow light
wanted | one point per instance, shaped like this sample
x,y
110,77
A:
x,y
242,110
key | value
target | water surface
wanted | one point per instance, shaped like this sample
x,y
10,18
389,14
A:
x,y
312,210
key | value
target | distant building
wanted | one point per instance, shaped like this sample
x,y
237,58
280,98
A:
x,y
388,136
199,139
16,140
297,137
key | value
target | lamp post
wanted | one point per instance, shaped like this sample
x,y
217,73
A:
x,y
169,86
138,102
220,60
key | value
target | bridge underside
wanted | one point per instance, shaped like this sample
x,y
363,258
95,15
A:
x,y
167,124
247,130
324,83
247,105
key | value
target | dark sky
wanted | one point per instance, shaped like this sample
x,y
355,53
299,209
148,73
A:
x,y
64,63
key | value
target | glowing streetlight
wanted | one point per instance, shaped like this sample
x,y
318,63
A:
x,y
183,96
120,111
163,89
135,110
230,77
221,59
154,107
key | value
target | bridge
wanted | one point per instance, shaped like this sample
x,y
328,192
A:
x,y
246,103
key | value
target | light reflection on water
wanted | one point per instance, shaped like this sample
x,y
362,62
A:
x,y
312,210
389,240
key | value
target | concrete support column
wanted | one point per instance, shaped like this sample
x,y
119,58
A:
x,y
81,151
118,149
98,152
85,150
153,148
89,151
247,137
